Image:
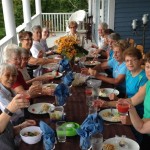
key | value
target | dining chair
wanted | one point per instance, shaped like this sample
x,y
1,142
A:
x,y
141,48
77,16
131,42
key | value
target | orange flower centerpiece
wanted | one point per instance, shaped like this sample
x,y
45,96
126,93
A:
x,y
68,47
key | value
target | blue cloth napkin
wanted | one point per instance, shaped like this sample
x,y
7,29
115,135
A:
x,y
48,135
91,125
61,92
64,65
68,78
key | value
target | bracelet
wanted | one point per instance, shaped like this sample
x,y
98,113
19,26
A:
x,y
8,112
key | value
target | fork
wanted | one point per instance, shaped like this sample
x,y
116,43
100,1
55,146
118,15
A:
x,y
111,111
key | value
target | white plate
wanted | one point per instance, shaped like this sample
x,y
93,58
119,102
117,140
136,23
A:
x,y
131,144
38,108
92,55
107,91
54,56
52,74
52,85
114,118
103,73
91,63
50,66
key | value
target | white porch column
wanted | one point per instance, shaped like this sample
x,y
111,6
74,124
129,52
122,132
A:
x,y
89,7
97,18
9,19
27,14
111,13
38,10
38,7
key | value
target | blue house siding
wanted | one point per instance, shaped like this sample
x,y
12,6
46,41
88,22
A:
x,y
125,12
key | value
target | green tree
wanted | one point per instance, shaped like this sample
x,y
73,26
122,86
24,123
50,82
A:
x,y
48,6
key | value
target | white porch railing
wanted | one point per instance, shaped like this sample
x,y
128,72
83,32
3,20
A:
x,y
55,21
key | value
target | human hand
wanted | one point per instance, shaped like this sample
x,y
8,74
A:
x,y
92,72
125,120
35,89
84,71
113,96
18,102
40,54
99,103
28,123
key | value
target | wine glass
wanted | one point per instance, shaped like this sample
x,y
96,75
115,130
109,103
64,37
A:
x,y
95,84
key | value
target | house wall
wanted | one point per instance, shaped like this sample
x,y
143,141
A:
x,y
125,12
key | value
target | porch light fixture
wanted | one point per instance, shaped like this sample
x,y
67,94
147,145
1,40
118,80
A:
x,y
135,26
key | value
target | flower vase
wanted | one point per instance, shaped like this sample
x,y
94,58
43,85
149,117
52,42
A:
x,y
72,62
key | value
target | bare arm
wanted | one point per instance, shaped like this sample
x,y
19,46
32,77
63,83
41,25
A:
x,y
139,96
101,66
114,81
16,103
141,125
41,61
40,78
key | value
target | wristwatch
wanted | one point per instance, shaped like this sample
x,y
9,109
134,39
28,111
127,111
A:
x,y
8,112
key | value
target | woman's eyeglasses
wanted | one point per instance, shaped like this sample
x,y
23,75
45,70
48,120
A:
x,y
72,27
28,39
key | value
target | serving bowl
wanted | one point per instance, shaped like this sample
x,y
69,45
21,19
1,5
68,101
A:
x,y
31,134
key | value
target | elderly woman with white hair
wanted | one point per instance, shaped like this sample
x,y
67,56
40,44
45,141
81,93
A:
x,y
23,69
101,31
45,35
12,55
37,50
8,76
10,108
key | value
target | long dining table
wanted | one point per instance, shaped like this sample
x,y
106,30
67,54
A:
x,y
76,110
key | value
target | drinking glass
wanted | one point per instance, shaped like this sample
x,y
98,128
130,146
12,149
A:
x,y
89,96
123,106
57,113
61,131
92,110
39,84
26,95
96,141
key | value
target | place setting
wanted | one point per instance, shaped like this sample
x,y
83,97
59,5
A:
x,y
120,143
110,115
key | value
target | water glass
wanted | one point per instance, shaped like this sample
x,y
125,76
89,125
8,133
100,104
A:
x,y
89,96
92,110
57,113
96,141
61,131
